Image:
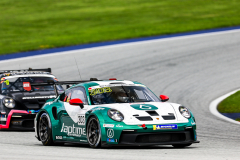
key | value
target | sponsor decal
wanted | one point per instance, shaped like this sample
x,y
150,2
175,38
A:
x,y
7,82
193,123
27,86
166,126
16,122
119,125
3,118
40,97
81,119
144,107
108,125
93,92
83,140
32,111
110,140
73,131
110,133
59,137
49,103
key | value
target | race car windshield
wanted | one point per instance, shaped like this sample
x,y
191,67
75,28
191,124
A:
x,y
121,94
22,84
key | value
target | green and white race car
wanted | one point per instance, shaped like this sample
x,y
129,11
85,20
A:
x,y
114,112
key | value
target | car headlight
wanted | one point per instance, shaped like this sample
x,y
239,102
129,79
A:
x,y
9,102
115,115
184,111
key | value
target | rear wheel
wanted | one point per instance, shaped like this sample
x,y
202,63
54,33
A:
x,y
94,132
181,145
45,130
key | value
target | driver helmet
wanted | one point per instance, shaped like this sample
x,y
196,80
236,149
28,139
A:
x,y
122,97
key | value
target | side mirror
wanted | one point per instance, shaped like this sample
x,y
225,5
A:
x,y
77,102
164,98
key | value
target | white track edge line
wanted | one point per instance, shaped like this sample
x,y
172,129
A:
x,y
125,44
213,107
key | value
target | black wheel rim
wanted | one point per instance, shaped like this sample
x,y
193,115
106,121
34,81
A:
x,y
43,128
93,132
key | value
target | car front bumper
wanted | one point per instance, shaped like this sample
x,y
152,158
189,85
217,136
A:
x,y
19,120
138,136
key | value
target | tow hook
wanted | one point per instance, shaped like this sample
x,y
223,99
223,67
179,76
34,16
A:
x,y
143,126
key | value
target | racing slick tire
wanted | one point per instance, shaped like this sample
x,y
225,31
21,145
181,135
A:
x,y
94,132
181,145
45,130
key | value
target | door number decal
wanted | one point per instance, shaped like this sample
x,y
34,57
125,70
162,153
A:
x,y
81,119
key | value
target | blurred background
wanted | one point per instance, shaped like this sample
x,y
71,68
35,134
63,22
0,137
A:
x,y
192,70
27,25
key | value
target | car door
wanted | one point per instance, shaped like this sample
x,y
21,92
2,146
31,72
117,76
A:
x,y
73,117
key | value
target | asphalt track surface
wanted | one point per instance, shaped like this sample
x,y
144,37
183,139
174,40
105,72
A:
x,y
191,70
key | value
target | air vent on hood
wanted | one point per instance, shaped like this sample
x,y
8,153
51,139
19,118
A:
x,y
152,113
170,116
146,118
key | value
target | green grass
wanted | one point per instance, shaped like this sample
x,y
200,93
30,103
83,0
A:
x,y
237,119
38,24
230,104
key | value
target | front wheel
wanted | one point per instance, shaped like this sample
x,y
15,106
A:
x,y
94,132
45,130
181,145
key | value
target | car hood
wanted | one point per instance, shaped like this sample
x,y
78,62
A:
x,y
149,113
31,100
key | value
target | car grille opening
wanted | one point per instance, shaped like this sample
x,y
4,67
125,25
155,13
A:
x,y
28,123
170,116
145,118
155,138
152,113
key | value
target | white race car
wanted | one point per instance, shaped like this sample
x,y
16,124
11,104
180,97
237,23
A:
x,y
114,112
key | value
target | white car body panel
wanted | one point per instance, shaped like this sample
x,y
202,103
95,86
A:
x,y
164,108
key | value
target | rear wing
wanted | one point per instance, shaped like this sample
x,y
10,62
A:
x,y
27,70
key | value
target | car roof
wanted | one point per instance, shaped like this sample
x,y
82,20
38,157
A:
x,y
28,75
30,72
106,83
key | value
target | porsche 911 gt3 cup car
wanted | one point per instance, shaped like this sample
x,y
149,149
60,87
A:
x,y
19,102
114,112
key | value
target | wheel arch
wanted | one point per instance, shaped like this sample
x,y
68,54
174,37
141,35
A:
x,y
37,120
100,117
